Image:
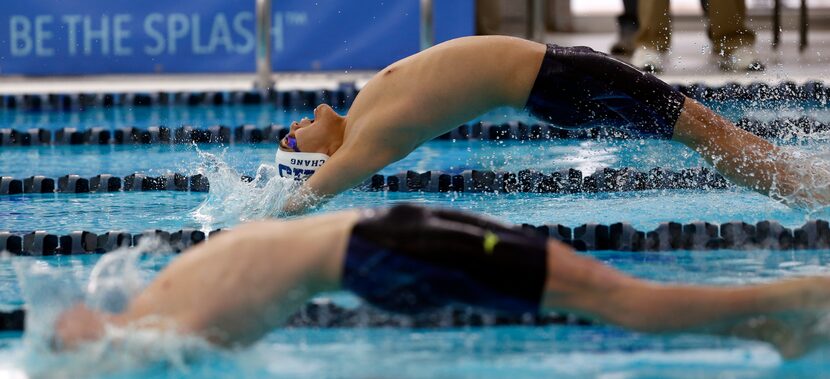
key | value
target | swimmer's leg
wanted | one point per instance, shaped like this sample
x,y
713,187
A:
x,y
745,158
780,313
579,86
413,259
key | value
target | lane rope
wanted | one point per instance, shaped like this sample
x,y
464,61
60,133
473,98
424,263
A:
x,y
343,93
473,181
323,313
620,236
781,128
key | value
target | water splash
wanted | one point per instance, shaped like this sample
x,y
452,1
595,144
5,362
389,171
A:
x,y
117,278
808,185
232,200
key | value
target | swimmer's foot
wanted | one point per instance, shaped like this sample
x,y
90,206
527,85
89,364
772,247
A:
x,y
801,323
76,326
792,335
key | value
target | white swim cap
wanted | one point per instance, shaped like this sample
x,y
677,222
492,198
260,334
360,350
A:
x,y
298,165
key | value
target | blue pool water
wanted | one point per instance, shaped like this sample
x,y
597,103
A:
x,y
553,351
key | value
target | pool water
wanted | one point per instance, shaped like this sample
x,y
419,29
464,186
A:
x,y
474,352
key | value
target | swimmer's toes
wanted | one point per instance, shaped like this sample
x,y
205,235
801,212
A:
x,y
803,335
791,348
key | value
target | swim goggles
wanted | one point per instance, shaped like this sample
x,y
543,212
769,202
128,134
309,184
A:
x,y
291,143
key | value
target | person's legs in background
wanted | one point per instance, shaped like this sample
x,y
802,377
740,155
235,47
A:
x,y
628,26
732,42
653,36
488,17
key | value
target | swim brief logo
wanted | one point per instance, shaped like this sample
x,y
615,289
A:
x,y
490,242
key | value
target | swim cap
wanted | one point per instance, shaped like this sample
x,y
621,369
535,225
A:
x,y
298,165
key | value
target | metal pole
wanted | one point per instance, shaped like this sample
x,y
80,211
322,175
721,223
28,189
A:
x,y
535,20
802,30
776,24
264,80
427,25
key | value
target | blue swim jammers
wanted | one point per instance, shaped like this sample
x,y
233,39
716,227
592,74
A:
x,y
411,259
580,87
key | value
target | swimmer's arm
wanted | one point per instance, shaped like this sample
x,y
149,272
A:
x,y
346,169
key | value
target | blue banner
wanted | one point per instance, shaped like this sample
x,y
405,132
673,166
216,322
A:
x,y
59,37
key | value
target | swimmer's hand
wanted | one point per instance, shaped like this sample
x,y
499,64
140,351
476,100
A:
x,y
265,172
301,201
77,326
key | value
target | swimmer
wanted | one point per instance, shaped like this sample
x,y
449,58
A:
x,y
427,94
241,284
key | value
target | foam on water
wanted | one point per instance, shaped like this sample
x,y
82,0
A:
x,y
232,200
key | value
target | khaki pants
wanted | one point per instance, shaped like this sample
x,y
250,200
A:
x,y
727,27
488,17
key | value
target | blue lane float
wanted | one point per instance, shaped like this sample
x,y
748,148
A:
x,y
73,184
113,240
38,184
10,186
39,243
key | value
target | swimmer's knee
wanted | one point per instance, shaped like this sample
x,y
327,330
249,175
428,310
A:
x,y
574,275
696,124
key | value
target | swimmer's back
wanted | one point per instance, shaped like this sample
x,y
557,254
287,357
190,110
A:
x,y
430,92
270,260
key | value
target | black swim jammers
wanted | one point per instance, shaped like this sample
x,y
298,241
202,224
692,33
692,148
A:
x,y
580,87
410,259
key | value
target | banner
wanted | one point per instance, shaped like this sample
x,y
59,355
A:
x,y
58,37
